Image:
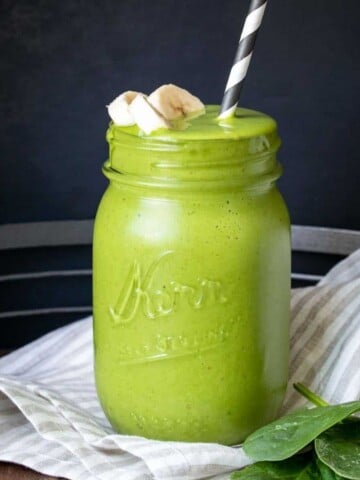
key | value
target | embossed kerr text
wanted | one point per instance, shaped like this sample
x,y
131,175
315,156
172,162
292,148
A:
x,y
138,293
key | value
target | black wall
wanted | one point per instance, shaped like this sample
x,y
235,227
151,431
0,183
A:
x,y
62,61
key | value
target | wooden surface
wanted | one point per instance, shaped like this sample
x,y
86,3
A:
x,y
10,471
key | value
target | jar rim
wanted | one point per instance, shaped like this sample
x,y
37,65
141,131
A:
x,y
177,157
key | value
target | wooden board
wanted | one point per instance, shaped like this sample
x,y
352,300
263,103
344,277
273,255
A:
x,y
10,471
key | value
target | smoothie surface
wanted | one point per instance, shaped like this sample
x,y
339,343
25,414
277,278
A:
x,y
245,124
200,148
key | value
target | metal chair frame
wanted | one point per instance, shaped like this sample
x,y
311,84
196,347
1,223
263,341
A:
x,y
79,232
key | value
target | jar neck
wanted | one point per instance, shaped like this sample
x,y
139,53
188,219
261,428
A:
x,y
247,163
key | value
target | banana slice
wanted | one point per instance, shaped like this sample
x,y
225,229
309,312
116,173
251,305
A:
x,y
119,110
146,116
174,102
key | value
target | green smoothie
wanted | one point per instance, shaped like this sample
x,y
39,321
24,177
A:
x,y
192,280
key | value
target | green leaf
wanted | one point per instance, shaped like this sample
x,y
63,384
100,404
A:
x,y
339,449
300,467
310,473
326,472
290,434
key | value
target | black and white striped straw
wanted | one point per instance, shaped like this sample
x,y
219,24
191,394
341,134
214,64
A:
x,y
242,58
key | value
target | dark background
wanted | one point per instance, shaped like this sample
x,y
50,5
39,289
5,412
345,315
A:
x,y
62,61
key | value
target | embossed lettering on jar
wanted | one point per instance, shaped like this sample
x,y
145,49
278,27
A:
x,y
192,281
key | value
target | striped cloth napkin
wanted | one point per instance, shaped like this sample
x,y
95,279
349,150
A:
x,y
51,421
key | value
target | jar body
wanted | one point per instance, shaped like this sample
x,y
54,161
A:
x,y
191,310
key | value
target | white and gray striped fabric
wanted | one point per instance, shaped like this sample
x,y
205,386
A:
x,y
51,421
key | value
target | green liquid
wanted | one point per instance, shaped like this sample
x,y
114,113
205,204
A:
x,y
245,124
192,281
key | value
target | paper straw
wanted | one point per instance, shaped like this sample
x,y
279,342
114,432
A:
x,y
242,58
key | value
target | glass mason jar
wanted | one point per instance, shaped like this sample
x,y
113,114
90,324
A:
x,y
192,284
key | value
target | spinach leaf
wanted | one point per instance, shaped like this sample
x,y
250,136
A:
x,y
339,449
290,434
300,467
326,472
